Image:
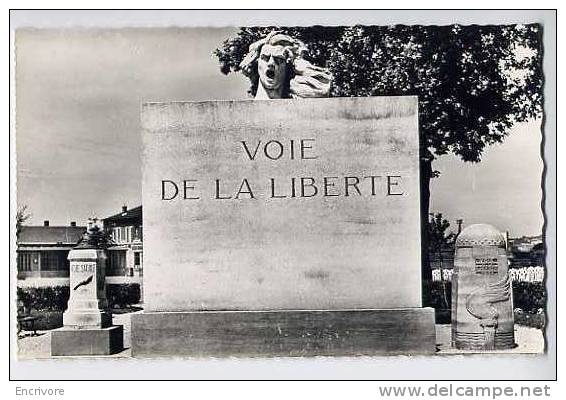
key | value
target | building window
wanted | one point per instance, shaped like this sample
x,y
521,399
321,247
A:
x,y
118,234
136,232
54,260
28,261
117,263
126,234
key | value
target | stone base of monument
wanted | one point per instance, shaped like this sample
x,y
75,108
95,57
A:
x,y
87,318
284,333
477,341
87,341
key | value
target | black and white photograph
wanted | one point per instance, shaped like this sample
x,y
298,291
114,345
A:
x,y
249,191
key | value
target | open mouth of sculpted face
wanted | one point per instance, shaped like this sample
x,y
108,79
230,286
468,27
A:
x,y
270,73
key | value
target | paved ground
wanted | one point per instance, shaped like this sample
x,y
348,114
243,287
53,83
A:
x,y
529,341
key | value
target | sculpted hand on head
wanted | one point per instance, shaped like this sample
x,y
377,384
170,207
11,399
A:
x,y
276,66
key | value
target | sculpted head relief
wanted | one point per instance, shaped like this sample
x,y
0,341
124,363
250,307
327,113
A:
x,y
277,65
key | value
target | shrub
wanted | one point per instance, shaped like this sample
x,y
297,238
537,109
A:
x,y
529,296
123,295
48,319
48,298
533,320
436,296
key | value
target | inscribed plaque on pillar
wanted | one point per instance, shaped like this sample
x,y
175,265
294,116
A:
x,y
306,204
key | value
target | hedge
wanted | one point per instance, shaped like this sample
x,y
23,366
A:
x,y
530,319
54,298
49,298
48,319
435,295
529,296
123,295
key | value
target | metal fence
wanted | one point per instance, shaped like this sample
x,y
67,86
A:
x,y
525,274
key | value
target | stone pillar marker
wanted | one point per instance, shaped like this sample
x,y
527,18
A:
x,y
87,322
482,299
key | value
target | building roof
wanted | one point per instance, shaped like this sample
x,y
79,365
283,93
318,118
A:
x,y
50,234
134,214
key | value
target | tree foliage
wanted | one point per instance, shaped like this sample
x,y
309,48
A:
x,y
95,238
473,82
22,215
439,237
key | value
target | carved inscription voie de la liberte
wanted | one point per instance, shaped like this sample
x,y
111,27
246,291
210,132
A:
x,y
301,150
281,204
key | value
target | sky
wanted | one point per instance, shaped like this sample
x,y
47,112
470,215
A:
x,y
78,141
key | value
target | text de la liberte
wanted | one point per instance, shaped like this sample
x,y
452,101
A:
x,y
294,187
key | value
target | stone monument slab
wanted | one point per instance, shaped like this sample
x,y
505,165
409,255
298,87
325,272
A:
x,y
294,223
281,204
